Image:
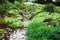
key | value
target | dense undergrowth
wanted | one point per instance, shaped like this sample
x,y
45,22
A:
x,y
44,19
45,25
39,31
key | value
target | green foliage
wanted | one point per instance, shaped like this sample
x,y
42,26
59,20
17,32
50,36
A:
x,y
12,15
3,1
8,6
12,22
37,29
46,15
1,33
55,23
40,31
49,8
31,9
28,16
1,20
20,6
13,12
42,16
2,30
21,0
57,9
38,10
48,1
3,11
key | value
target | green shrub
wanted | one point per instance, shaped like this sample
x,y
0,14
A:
x,y
49,8
8,6
3,11
38,10
2,30
1,33
42,16
46,15
12,22
57,9
40,31
20,6
1,20
21,0
55,23
13,12
28,16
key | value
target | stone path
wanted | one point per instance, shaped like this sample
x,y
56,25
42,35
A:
x,y
20,34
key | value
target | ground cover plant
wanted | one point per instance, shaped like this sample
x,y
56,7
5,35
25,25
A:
x,y
44,19
42,31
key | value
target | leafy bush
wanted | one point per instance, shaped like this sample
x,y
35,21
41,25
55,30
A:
x,y
8,6
38,10
12,16
49,8
28,16
57,9
46,15
1,33
55,23
12,22
13,12
20,6
40,31
3,11
42,16
21,0
1,20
